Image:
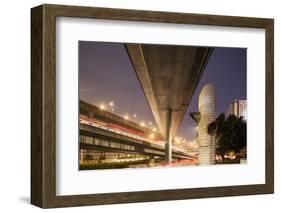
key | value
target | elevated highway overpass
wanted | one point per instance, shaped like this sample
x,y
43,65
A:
x,y
102,139
169,75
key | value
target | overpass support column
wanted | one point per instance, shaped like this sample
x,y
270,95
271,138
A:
x,y
168,137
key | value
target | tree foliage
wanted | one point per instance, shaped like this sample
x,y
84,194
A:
x,y
230,133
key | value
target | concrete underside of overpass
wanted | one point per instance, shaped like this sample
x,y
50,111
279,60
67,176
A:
x,y
169,75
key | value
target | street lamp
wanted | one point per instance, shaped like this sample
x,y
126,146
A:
x,y
111,104
135,117
151,136
102,107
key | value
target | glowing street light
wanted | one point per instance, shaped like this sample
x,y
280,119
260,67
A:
x,y
150,123
102,107
126,117
135,117
111,104
154,129
151,136
142,124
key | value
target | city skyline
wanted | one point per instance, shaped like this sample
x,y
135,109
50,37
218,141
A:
x,y
125,90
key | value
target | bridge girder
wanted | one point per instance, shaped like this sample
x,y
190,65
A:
x,y
169,75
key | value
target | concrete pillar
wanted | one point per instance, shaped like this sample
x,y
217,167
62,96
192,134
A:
x,y
168,137
207,109
81,155
152,161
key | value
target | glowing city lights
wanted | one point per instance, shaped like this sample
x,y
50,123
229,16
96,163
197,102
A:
x,y
111,107
151,136
102,107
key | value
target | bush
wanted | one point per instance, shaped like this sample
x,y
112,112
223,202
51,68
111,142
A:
x,y
113,165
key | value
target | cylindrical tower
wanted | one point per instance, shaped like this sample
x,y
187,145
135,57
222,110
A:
x,y
207,109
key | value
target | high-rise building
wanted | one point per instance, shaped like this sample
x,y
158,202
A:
x,y
238,108
206,115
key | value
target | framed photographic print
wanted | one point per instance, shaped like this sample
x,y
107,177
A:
x,y
137,106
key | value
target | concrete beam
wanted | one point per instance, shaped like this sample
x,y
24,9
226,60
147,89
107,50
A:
x,y
169,75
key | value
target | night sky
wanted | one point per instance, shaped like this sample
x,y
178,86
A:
x,y
106,74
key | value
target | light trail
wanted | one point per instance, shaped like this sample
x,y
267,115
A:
x,y
122,131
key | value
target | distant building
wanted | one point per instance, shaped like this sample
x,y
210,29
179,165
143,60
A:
x,y
206,115
238,108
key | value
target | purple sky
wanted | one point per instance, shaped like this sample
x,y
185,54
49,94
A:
x,y
106,74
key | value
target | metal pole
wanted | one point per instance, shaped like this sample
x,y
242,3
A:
x,y
168,137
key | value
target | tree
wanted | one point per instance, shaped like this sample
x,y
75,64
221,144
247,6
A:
x,y
230,133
